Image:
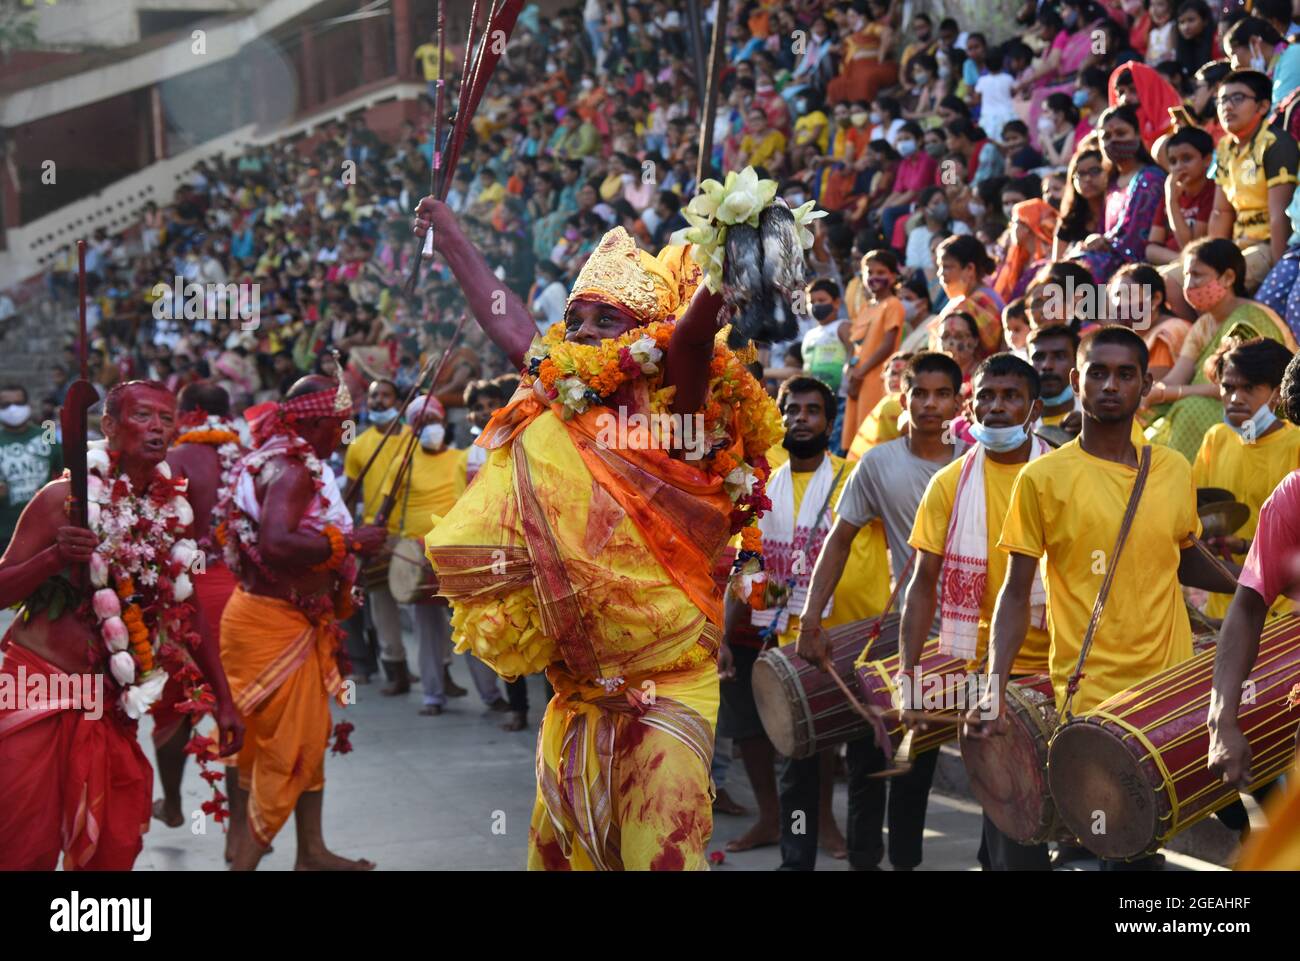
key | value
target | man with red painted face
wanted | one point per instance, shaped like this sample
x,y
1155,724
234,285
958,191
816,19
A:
x,y
289,538
72,774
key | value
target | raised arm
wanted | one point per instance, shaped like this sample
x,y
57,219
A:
x,y
690,352
498,310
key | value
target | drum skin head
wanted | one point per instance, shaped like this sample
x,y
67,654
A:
x,y
1006,777
773,703
1091,772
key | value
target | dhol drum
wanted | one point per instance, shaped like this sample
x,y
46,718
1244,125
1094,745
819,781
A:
x,y
1131,773
374,573
1008,774
410,575
944,686
803,710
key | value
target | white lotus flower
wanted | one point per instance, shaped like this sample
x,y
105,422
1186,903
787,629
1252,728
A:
x,y
137,699
92,514
122,667
182,587
184,512
98,570
165,469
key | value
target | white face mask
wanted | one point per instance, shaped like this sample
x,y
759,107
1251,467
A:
x,y
15,415
431,437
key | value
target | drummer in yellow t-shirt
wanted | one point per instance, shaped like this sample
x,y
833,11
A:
x,y
382,407
808,407
433,482
1005,394
1069,506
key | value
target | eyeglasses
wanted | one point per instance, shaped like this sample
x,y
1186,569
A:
x,y
1234,99
1082,173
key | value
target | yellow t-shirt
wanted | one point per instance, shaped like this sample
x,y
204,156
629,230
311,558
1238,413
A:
x,y
1069,505
878,427
436,482
428,54
930,532
863,590
1250,471
358,454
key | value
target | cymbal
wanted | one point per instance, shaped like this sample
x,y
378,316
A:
x,y
1056,436
1208,495
1221,518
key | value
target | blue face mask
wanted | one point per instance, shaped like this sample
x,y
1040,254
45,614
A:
x,y
1000,440
1061,398
382,417
1080,98
1253,429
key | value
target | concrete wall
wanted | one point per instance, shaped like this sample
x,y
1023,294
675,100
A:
x,y
115,23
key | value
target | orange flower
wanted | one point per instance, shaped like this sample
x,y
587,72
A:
x,y
125,587
751,539
215,438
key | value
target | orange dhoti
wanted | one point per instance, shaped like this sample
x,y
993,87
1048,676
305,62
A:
x,y
71,780
212,589
282,671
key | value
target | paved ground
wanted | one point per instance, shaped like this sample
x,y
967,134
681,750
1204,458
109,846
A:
x,y
455,793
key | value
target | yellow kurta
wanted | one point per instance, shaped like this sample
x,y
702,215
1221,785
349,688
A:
x,y
1250,471
1069,505
623,777
930,533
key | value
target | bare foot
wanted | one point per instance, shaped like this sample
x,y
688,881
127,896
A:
x,y
724,803
329,861
832,843
169,815
230,848
763,834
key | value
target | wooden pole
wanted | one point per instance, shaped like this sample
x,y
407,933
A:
x,y
710,106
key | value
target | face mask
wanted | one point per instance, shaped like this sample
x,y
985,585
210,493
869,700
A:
x,y
1006,211
1063,397
935,150
432,435
383,416
794,200
877,116
976,208
1207,296
944,73
1000,440
1080,98
939,212
1257,62
922,76
1071,20
1254,428
1046,124
858,119
801,105
879,285
823,311
910,308
1122,149
15,415
906,148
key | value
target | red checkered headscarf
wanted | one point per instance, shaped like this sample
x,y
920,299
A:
x,y
279,417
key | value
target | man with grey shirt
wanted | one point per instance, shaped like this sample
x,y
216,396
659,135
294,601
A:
x,y
886,485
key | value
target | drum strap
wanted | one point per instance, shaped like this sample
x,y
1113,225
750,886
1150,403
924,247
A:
x,y
1144,468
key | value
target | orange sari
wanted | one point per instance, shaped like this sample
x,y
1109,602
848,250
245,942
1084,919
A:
x,y
1040,217
863,74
